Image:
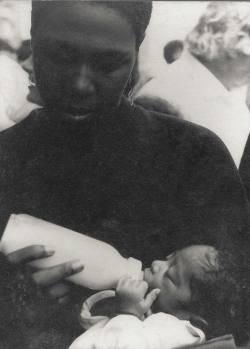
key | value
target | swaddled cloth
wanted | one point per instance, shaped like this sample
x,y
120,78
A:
x,y
157,331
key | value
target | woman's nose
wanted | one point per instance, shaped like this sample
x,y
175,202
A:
x,y
84,83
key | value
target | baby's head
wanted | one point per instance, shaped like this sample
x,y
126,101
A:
x,y
202,282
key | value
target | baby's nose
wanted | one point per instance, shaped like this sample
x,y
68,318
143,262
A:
x,y
157,266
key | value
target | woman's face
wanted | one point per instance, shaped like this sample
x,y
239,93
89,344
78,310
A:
x,y
83,56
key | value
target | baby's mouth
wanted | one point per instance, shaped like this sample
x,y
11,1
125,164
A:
x,y
147,273
31,79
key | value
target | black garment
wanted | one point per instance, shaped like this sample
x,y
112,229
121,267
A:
x,y
244,168
144,182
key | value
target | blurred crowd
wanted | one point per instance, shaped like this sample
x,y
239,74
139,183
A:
x,y
14,81
207,75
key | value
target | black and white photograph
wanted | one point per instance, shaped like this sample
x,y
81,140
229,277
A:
x,y
124,174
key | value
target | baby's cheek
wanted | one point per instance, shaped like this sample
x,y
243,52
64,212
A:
x,y
158,304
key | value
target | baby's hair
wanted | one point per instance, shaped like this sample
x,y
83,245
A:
x,y
221,294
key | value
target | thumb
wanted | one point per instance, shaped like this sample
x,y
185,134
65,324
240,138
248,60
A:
x,y
150,298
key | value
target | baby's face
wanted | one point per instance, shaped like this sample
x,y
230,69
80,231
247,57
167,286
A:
x,y
173,275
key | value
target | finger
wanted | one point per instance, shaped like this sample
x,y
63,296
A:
x,y
119,283
59,290
29,253
122,282
143,286
52,275
150,298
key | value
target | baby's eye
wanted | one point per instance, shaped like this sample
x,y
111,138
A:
x,y
168,276
170,256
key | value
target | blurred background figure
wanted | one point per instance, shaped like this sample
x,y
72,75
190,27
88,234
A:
x,y
173,50
27,64
171,20
24,50
208,83
13,79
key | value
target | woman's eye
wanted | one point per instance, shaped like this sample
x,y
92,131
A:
x,y
63,56
109,63
108,67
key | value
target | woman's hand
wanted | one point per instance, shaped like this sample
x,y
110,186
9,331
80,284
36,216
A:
x,y
51,280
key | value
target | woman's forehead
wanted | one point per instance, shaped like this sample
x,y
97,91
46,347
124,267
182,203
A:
x,y
136,14
74,12
85,22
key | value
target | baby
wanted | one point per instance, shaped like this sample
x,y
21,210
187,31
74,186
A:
x,y
196,287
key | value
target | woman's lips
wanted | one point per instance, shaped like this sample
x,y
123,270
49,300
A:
x,y
81,111
73,116
82,108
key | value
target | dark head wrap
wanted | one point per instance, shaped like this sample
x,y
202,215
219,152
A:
x,y
138,13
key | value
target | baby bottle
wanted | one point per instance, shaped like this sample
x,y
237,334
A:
x,y
103,265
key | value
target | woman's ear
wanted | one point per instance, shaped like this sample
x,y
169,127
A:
x,y
133,79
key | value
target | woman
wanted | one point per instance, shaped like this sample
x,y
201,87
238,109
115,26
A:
x,y
91,162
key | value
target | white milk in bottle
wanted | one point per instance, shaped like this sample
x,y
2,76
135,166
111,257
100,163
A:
x,y
103,264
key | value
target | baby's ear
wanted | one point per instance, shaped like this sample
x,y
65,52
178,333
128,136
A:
x,y
198,321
